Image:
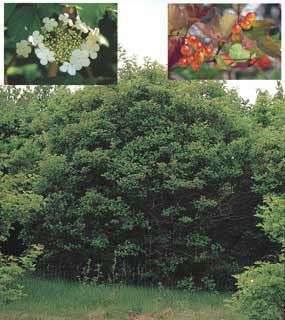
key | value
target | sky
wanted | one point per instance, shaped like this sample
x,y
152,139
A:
x,y
142,31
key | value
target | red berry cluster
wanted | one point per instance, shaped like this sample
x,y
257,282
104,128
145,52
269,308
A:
x,y
262,62
194,53
243,23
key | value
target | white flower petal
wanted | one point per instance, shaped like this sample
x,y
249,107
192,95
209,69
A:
x,y
23,48
93,55
44,54
63,68
71,71
44,61
50,24
86,62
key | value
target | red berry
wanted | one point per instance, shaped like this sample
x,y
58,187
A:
x,y
192,40
236,37
185,50
209,51
250,16
252,61
190,59
245,24
199,46
264,62
196,66
236,28
183,62
199,57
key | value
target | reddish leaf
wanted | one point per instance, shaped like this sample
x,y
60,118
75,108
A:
x,y
177,18
196,12
174,44
220,27
183,16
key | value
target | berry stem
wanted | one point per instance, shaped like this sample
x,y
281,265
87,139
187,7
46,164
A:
x,y
239,11
52,70
220,47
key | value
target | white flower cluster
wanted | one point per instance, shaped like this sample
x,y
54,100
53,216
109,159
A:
x,y
79,58
69,44
64,18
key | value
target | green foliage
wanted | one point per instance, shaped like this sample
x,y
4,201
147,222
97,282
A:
x,y
152,180
208,284
21,21
11,269
272,214
261,292
266,43
9,272
17,201
221,63
261,289
269,148
93,14
237,51
186,284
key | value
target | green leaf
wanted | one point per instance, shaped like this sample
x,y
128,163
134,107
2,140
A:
x,y
276,74
259,32
29,71
221,63
48,9
8,10
23,22
270,46
92,13
259,54
238,52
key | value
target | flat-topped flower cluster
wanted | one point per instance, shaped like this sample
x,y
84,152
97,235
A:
x,y
69,44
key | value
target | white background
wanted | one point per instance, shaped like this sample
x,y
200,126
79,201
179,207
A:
x,y
142,31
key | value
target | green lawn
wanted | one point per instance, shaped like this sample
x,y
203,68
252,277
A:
x,y
59,300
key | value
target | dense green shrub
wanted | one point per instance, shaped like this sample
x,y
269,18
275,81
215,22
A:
x,y
261,292
9,272
153,180
261,288
272,214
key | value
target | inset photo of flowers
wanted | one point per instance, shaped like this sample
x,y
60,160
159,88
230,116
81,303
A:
x,y
59,43
224,41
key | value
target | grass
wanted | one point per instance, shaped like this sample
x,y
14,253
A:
x,y
60,300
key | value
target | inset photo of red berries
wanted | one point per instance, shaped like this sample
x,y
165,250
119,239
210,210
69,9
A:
x,y
224,41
